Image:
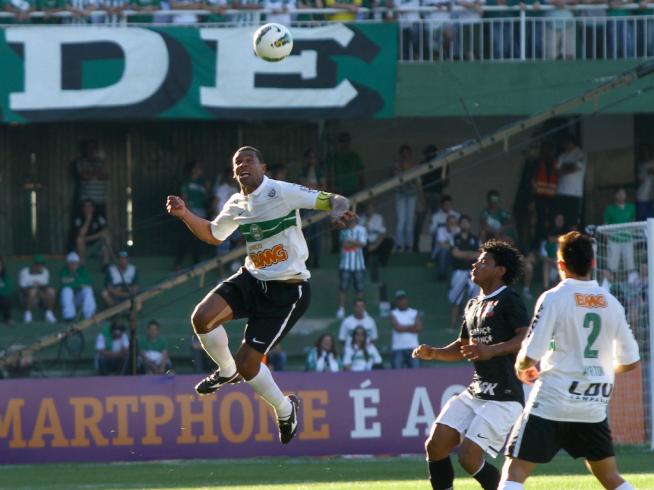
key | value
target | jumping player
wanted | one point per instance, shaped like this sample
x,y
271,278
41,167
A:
x,y
271,291
580,335
479,419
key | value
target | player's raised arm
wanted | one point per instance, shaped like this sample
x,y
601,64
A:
x,y
200,227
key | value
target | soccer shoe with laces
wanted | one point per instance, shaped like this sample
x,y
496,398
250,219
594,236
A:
x,y
288,426
215,381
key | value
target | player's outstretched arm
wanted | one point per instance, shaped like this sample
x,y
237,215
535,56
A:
x,y
200,227
449,353
340,211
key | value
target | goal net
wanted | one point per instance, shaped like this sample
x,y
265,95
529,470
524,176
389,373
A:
x,y
623,268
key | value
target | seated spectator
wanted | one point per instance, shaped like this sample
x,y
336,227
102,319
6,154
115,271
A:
x,y
464,253
361,355
442,253
112,349
76,289
548,254
6,290
121,282
352,267
439,218
276,358
35,289
324,356
90,230
201,361
406,323
494,221
153,350
358,318
379,246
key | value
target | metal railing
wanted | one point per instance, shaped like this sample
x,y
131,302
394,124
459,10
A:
x,y
428,34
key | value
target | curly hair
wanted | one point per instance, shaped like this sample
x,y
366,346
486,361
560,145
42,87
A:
x,y
507,256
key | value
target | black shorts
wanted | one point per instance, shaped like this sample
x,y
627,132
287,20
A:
x,y
537,440
271,307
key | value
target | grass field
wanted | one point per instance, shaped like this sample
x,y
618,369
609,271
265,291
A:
x,y
390,473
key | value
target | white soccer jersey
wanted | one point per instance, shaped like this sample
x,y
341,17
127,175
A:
x,y
577,332
269,220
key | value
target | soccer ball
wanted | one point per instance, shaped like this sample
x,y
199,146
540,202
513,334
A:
x,y
272,42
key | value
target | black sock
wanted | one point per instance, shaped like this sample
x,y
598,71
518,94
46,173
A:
x,y
441,474
488,476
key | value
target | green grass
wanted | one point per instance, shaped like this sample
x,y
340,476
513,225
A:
x,y
390,473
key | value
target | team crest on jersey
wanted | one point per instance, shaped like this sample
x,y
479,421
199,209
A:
x,y
256,231
272,193
489,309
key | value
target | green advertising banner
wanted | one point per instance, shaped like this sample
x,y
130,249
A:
x,y
66,73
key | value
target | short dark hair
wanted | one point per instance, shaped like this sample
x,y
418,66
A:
x,y
492,193
577,252
465,217
507,256
154,322
254,150
446,198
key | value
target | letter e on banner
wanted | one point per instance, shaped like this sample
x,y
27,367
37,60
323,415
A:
x,y
363,398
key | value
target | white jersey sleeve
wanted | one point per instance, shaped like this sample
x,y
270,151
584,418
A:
x,y
541,330
300,197
625,345
343,332
224,225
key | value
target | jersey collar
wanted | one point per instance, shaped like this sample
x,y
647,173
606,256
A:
x,y
494,293
261,187
578,283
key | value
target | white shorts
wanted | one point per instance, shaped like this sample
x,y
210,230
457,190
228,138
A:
x,y
487,423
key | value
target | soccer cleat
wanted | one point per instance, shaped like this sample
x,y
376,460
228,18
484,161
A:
x,y
288,426
215,381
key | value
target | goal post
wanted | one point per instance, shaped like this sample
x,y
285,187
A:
x,y
625,267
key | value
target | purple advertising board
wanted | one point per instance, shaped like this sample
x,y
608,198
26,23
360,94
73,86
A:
x,y
160,417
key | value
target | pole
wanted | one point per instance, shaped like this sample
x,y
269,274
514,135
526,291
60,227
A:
x,y
650,303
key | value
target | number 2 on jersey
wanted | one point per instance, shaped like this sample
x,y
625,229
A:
x,y
594,322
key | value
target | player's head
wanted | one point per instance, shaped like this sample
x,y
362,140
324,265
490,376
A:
x,y
576,256
498,261
249,167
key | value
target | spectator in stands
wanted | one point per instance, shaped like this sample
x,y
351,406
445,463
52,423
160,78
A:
x,y
153,350
324,356
35,289
594,30
195,192
49,9
6,292
549,258
544,184
620,245
281,11
91,175
494,221
442,252
112,349
645,189
358,318
534,28
276,358
344,174
432,184
145,9
645,32
620,31
571,167
352,266
379,247
121,282
349,8
90,231
467,28
409,19
361,355
185,18
201,361
464,253
312,176
21,10
439,218
504,30
76,290
406,198
406,323
440,36
560,41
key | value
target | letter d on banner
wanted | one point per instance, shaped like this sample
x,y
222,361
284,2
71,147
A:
x,y
144,53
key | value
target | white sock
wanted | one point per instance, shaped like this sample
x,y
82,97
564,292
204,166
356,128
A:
x,y
510,485
265,386
216,344
625,486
